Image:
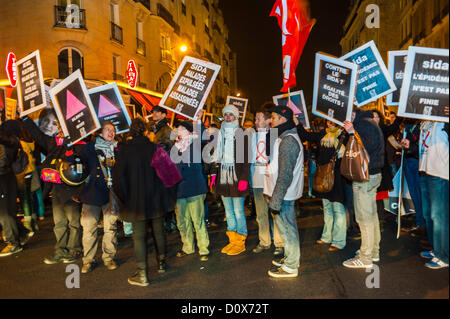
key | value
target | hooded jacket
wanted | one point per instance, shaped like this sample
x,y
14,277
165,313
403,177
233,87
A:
x,y
372,138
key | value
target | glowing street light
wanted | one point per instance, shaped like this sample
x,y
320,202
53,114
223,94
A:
x,y
238,94
183,48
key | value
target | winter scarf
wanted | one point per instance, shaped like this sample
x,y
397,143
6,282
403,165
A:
x,y
331,140
225,152
106,147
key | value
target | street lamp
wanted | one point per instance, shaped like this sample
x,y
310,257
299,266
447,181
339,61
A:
x,y
238,94
183,48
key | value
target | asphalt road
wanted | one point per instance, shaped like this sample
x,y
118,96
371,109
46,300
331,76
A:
x,y
401,269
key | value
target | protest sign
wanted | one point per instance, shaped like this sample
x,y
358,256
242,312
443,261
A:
x,y
334,87
296,102
373,79
241,104
109,106
30,89
396,68
190,87
74,109
392,204
425,88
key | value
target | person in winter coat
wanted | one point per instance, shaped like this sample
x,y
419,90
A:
x,y
99,156
232,172
15,234
364,194
335,221
66,209
283,184
143,197
191,193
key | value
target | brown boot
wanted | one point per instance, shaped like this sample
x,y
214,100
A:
x,y
231,236
239,245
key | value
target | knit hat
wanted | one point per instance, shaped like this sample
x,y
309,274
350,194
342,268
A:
x,y
231,109
283,111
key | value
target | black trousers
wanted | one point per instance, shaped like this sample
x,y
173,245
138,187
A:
x,y
140,240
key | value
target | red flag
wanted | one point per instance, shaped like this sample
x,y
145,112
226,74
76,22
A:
x,y
296,24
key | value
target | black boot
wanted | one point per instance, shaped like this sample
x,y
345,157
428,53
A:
x,y
139,278
162,264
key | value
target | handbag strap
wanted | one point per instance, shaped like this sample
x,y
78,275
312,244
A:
x,y
341,140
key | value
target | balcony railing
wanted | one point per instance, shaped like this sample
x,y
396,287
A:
x,y
116,33
140,47
77,21
205,4
217,28
167,16
208,55
117,77
166,57
145,3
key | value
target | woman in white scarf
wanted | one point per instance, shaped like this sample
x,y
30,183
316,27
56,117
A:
x,y
232,180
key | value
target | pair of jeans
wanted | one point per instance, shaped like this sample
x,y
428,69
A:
x,y
90,217
335,223
365,203
287,223
66,216
438,201
140,240
311,170
348,204
38,202
412,178
190,216
235,213
425,193
262,218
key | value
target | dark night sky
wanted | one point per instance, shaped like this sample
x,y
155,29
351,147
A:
x,y
256,38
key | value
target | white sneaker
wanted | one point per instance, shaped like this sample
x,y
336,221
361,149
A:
x,y
356,262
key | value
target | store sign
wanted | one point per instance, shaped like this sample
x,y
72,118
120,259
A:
x,y
11,69
132,74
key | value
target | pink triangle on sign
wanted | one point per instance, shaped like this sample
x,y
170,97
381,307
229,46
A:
x,y
294,107
106,107
74,106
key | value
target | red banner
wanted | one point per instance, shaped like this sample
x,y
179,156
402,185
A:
x,y
296,24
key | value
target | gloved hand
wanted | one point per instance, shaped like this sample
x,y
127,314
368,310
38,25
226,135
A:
x,y
275,212
242,186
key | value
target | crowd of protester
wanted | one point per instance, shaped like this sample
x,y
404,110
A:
x,y
135,180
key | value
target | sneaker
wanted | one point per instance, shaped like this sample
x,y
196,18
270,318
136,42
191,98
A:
x,y
111,265
162,266
204,258
87,268
321,242
71,258
139,279
26,238
53,259
279,251
356,262
436,263
375,258
10,250
278,262
427,254
280,273
260,248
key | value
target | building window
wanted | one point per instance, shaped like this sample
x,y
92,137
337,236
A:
x,y
141,83
163,82
193,20
140,44
116,30
183,7
117,68
70,60
67,17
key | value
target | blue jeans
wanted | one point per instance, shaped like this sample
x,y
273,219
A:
x,y
412,178
287,223
365,202
311,171
438,191
426,206
234,211
335,223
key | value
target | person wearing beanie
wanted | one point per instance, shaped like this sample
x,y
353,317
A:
x,y
232,173
191,193
284,185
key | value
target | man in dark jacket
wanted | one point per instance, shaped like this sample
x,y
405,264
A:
x,y
365,193
8,195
